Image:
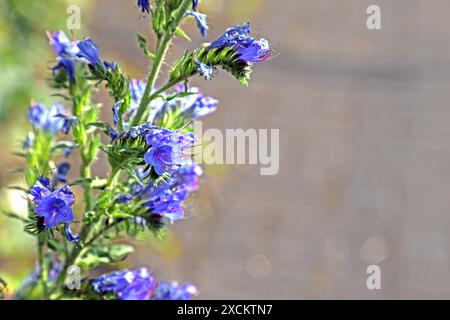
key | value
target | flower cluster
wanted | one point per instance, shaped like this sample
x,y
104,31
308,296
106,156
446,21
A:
x,y
150,155
141,285
248,48
166,201
53,206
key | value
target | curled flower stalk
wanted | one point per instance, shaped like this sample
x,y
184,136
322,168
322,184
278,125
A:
x,y
148,146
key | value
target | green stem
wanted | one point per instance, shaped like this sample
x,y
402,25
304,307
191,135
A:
x,y
161,52
43,275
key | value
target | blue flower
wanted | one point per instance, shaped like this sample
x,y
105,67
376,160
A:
x,y
194,5
196,106
236,35
257,51
166,201
126,285
67,65
41,189
186,180
163,202
54,206
52,120
66,51
115,109
61,172
70,236
28,143
247,48
167,149
61,44
113,133
172,291
201,21
205,70
144,5
89,51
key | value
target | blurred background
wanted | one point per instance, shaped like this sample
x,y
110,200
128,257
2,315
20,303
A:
x,y
365,146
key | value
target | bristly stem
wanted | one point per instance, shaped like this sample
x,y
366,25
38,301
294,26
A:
x,y
161,52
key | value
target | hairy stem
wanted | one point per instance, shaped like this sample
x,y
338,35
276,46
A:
x,y
161,52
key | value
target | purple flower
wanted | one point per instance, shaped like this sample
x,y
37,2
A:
x,y
54,206
144,5
201,21
126,285
51,120
167,149
248,49
89,51
205,70
172,291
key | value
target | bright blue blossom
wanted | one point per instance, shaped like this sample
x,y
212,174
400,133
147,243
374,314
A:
x,y
141,285
248,49
61,44
205,70
167,150
66,51
89,51
54,206
144,5
52,120
201,21
257,51
126,285
172,291
166,201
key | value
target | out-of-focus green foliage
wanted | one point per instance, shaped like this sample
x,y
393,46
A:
x,y
23,48
24,60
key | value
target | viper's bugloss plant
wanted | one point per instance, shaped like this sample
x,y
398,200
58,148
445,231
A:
x,y
148,147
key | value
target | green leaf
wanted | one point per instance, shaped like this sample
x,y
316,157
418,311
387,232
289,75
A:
x,y
143,44
104,255
180,32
